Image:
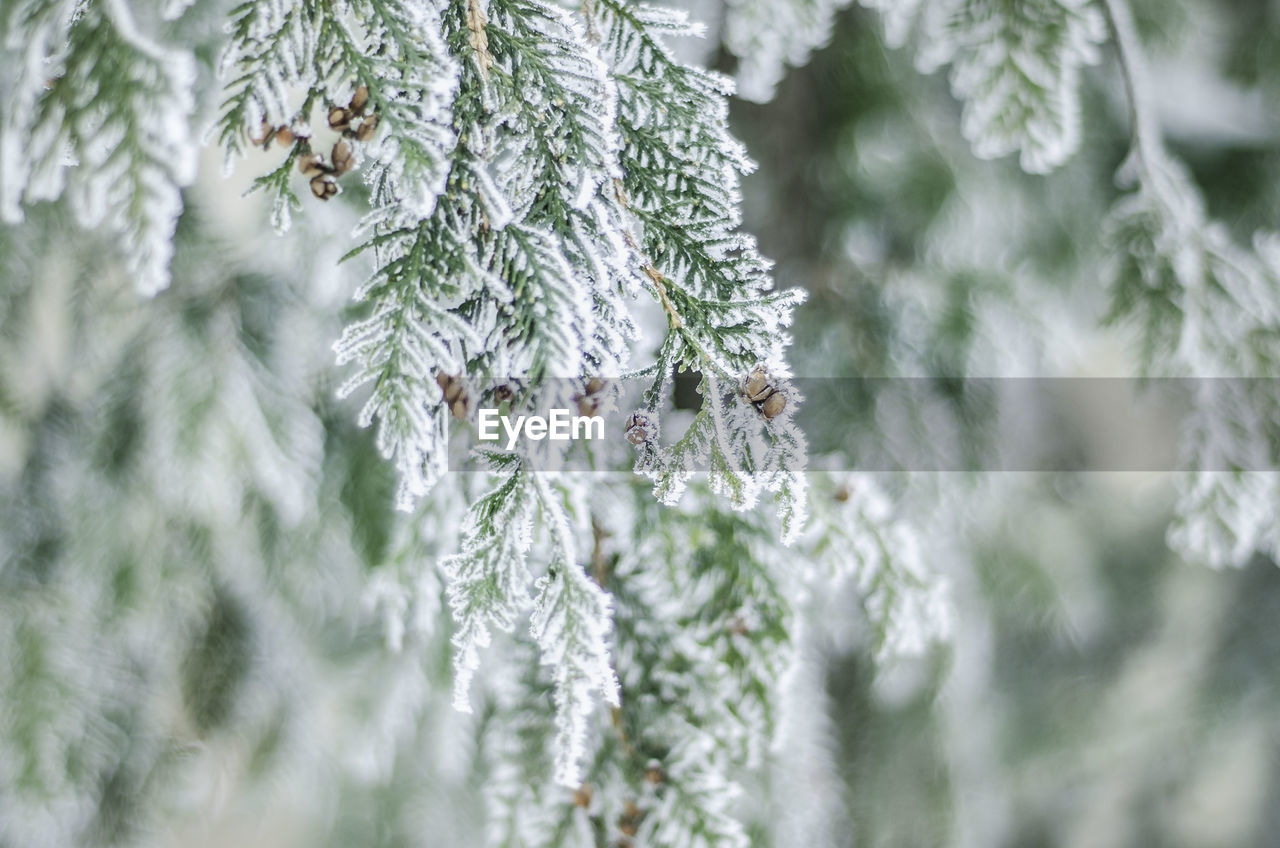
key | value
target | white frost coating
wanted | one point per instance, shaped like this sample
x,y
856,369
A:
x,y
487,585
484,271
413,100
1016,66
571,622
769,35
860,540
1225,516
272,49
121,166
508,234
487,582
691,186
27,56
1228,504
701,815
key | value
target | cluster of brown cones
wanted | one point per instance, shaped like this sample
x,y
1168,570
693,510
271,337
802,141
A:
x,y
344,119
350,120
324,175
762,392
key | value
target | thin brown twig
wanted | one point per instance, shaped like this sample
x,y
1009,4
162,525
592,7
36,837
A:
x,y
650,270
599,563
479,38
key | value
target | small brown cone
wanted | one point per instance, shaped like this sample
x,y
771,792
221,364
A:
x,y
342,157
339,118
366,129
453,389
629,821
757,387
641,427
773,405
324,186
311,164
455,395
359,100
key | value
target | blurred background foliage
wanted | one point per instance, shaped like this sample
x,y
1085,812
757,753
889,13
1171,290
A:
x,y
1098,691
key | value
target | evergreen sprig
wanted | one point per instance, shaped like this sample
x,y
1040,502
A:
x,y
101,112
1015,64
1208,309
531,172
581,164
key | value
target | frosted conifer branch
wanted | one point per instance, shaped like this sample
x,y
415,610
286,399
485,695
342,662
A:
x,y
546,217
532,171
101,113
1206,307
768,35
487,582
517,270
571,624
723,316
856,538
1016,66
